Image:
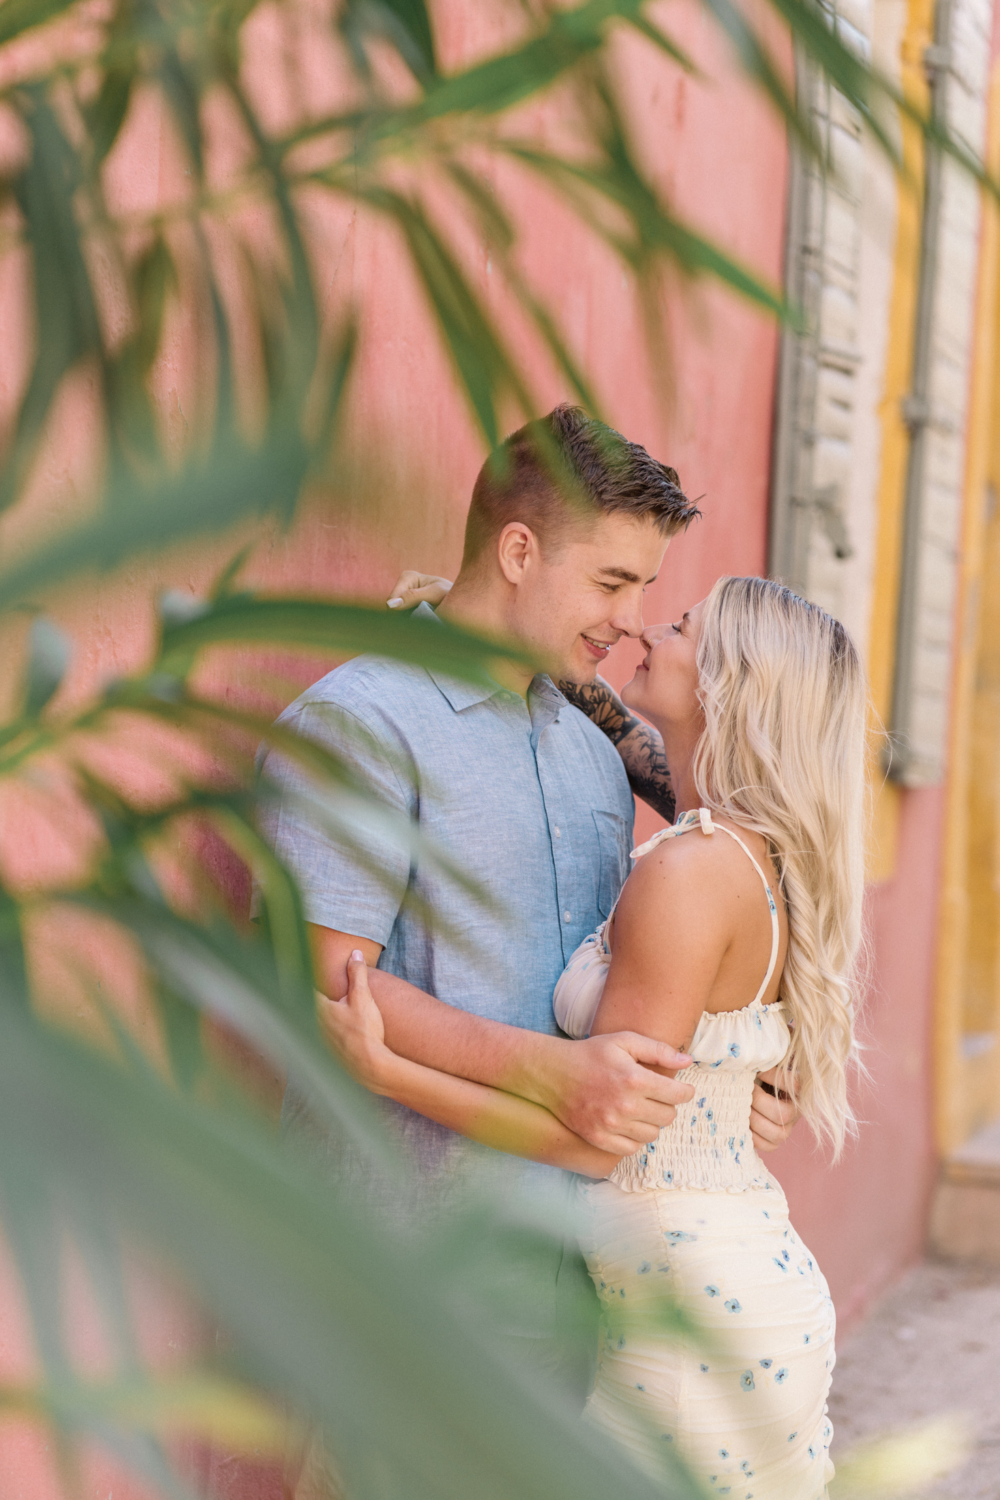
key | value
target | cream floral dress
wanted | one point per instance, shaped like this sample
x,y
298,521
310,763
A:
x,y
697,1216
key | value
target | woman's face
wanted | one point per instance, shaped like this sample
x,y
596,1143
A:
x,y
665,685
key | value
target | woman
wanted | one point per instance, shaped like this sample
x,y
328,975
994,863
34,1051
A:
x,y
761,702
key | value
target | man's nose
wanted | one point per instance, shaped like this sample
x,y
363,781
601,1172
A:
x,y
628,616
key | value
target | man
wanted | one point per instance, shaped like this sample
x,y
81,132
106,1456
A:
x,y
568,525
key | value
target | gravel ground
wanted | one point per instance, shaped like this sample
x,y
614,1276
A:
x,y
931,1349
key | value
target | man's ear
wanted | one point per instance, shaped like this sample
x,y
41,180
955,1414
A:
x,y
517,549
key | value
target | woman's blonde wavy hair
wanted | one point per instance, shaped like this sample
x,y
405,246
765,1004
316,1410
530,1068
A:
x,y
783,752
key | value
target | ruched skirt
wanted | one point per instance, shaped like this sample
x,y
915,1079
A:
x,y
717,1336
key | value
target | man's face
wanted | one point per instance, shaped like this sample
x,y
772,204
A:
x,y
583,596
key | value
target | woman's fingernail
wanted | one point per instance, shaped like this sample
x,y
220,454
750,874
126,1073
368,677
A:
x,y
393,603
358,954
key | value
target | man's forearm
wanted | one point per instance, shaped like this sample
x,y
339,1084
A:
x,y
428,1031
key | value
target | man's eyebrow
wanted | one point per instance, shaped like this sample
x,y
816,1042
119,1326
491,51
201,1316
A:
x,y
625,576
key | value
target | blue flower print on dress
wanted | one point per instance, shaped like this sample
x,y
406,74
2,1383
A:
x,y
780,1376
668,1177
747,1381
779,1263
734,1049
766,1364
704,1369
712,1291
807,1338
701,1101
792,1436
733,1305
642,1270
679,1237
723,1452
745,1466
812,1451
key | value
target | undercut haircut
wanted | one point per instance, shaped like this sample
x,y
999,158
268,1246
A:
x,y
560,473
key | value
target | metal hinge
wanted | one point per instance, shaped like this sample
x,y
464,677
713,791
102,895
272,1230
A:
x,y
827,502
916,412
937,59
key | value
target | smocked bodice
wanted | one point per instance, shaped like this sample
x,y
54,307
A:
x,y
709,1144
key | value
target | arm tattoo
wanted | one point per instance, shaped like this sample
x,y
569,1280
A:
x,y
638,744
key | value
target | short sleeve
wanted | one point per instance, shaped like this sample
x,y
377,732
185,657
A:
x,y
349,853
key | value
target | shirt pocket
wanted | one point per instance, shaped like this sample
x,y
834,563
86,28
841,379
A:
x,y
612,841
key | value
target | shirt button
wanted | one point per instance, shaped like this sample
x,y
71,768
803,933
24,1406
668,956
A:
x,y
557,832
567,916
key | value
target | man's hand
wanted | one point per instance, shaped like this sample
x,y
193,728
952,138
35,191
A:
x,y
604,1089
773,1112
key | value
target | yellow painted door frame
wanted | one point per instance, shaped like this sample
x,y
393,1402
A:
x,y
895,445
967,1002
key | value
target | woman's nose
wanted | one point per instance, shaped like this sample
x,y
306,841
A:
x,y
653,634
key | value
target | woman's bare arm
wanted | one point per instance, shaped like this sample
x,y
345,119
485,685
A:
x,y
504,1121
603,1090
490,1116
671,932
639,745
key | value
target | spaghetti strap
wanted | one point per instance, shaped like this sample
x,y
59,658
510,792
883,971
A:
x,y
701,818
772,905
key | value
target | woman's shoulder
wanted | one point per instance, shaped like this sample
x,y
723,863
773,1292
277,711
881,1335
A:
x,y
697,868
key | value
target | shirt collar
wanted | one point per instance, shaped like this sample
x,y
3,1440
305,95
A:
x,y
461,694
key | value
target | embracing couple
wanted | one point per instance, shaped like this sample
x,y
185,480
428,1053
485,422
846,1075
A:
x,y
641,1039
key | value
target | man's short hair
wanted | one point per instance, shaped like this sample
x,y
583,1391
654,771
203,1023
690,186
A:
x,y
560,472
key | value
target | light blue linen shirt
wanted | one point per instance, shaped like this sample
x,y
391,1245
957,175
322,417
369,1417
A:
x,y
528,797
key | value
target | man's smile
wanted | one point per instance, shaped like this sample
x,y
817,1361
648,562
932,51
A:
x,y
599,649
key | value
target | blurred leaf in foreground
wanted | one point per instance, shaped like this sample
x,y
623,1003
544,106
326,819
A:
x,y
904,1462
